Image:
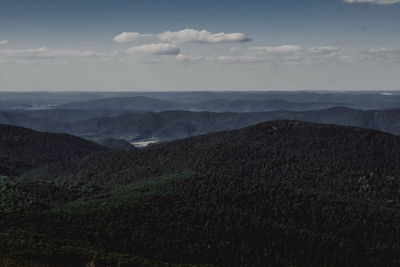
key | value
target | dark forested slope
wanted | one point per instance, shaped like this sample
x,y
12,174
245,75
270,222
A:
x,y
345,160
22,149
205,220
281,193
116,144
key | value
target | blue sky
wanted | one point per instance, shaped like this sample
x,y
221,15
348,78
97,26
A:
x,y
276,20
295,45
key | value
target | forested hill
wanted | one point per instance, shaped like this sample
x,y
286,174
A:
x,y
22,149
280,193
346,160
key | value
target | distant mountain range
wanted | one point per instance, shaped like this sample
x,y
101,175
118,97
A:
x,y
68,115
170,125
141,103
47,100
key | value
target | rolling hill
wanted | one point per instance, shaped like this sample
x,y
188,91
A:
x,y
23,149
136,103
280,193
116,144
67,115
171,125
327,157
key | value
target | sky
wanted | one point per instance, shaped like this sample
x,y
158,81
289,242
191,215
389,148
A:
x,y
201,45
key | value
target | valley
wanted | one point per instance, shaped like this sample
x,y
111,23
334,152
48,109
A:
x,y
170,125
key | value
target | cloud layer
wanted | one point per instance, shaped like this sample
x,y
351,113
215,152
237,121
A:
x,y
189,58
44,52
376,2
184,36
381,55
277,49
155,49
3,42
284,54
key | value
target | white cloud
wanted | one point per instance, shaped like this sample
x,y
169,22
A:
x,y
376,2
3,42
127,37
191,35
155,49
184,36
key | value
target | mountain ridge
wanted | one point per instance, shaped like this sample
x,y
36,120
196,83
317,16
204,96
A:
x,y
284,192
22,149
278,151
170,125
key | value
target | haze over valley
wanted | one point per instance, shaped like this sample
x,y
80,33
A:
x,y
145,120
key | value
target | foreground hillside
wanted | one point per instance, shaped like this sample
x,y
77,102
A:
x,y
328,157
23,149
281,193
205,220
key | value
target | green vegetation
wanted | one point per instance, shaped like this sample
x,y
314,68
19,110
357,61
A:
x,y
206,220
21,195
276,194
348,161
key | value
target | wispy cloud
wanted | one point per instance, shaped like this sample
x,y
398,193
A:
x,y
277,49
44,52
381,55
285,54
241,59
184,36
376,2
155,49
3,42
189,58
128,37
290,49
